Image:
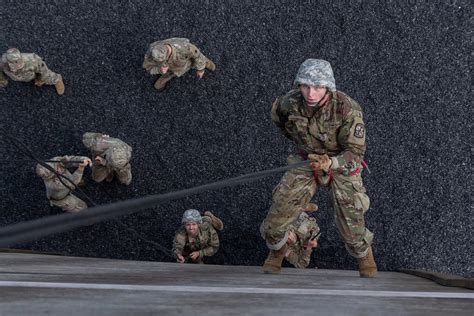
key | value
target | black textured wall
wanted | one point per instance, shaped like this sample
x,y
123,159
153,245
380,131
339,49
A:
x,y
406,62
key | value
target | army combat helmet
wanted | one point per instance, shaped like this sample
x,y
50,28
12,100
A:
x,y
191,216
89,139
316,72
159,53
14,59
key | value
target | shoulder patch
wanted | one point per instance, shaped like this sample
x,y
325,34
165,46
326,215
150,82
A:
x,y
359,130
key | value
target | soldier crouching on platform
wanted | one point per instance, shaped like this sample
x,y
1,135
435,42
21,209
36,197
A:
x,y
111,158
26,67
197,237
59,194
297,243
173,57
302,239
328,128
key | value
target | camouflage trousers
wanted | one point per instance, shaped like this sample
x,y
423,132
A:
x,y
48,77
295,191
70,203
101,173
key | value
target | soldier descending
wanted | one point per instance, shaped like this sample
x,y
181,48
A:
x,y
197,237
111,157
173,57
302,238
327,126
26,67
59,194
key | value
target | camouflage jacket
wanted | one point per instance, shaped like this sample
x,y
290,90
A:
x,y
336,128
184,56
34,67
55,190
305,228
206,242
116,152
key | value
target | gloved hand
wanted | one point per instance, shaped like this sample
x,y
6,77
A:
x,y
320,162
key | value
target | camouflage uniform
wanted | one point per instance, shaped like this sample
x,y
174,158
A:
x,y
305,229
58,194
184,56
27,67
206,242
117,155
335,128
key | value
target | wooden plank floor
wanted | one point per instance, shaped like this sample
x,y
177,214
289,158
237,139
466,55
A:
x,y
32,284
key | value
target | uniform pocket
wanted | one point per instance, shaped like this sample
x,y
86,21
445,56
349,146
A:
x,y
361,199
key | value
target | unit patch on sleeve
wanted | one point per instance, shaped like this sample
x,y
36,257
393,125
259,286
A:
x,y
359,130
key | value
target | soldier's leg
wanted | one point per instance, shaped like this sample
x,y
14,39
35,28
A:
x,y
124,175
210,65
215,221
48,77
350,204
100,173
162,82
70,203
289,198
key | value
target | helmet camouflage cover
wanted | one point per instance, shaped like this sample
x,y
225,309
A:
x,y
316,72
14,59
191,216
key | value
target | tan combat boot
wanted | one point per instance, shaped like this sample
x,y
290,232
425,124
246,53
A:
x,y
274,260
310,208
210,65
367,266
163,82
215,221
59,86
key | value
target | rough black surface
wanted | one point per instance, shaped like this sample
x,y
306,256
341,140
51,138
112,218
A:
x,y
407,63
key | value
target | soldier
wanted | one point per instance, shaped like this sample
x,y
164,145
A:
x,y
59,194
302,238
328,128
111,158
173,57
197,237
26,67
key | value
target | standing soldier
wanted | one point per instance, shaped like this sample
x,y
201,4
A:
x,y
197,237
173,58
328,128
26,67
59,191
111,158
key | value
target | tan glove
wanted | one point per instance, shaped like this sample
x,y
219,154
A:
x,y
320,162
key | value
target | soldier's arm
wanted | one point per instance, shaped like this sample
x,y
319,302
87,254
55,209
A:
x,y
351,137
199,60
213,244
278,116
179,242
77,175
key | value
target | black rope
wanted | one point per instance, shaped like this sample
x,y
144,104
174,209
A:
x,y
35,229
77,191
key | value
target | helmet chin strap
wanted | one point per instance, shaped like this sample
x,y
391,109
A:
x,y
318,103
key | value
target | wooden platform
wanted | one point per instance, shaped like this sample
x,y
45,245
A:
x,y
32,284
